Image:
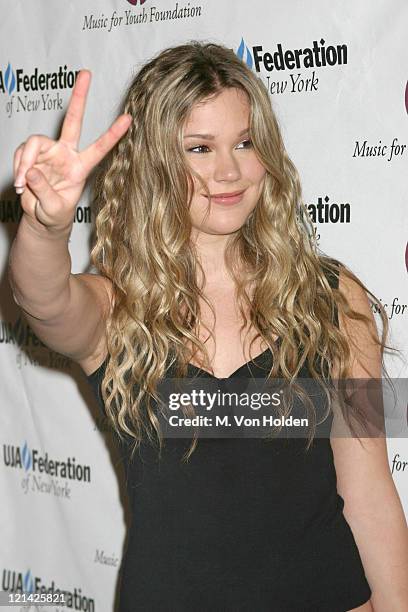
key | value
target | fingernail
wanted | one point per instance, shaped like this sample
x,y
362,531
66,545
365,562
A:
x,y
19,190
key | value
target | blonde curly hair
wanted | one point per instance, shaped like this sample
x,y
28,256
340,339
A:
x,y
142,194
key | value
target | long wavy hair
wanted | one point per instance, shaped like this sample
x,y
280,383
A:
x,y
142,194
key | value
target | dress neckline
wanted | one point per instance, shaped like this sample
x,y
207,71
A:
x,y
244,365
191,366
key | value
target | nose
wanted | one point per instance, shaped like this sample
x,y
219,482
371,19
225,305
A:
x,y
226,167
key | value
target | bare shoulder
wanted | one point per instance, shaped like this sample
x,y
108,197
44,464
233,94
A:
x,y
355,294
362,333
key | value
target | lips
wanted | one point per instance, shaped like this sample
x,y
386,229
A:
x,y
227,198
227,195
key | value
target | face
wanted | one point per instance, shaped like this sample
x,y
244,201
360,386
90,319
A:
x,y
218,147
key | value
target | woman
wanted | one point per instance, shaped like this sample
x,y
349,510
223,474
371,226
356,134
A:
x,y
208,268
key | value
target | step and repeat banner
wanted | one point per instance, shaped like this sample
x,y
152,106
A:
x,y
337,77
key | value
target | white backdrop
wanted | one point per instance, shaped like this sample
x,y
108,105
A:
x,y
348,95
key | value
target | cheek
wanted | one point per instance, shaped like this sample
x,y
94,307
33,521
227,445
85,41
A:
x,y
199,189
194,187
253,169
258,181
197,202
258,171
202,171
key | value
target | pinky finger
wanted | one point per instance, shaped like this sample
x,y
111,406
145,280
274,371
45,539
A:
x,y
35,144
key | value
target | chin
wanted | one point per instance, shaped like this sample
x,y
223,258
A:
x,y
223,228
220,221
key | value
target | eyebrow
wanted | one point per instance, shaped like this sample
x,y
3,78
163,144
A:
x,y
210,136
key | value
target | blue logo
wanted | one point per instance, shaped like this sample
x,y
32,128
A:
x,y
28,582
10,79
244,54
26,455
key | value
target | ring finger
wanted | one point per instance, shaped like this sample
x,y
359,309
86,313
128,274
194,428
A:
x,y
16,159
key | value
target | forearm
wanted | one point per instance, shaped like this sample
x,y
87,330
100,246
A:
x,y
39,270
381,535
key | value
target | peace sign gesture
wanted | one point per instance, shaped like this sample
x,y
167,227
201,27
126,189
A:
x,y
51,174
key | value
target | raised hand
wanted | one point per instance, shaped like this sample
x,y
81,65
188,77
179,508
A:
x,y
50,174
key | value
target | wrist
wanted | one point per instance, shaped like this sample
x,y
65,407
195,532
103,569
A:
x,y
41,231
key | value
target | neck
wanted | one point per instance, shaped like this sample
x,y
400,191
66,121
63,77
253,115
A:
x,y
210,251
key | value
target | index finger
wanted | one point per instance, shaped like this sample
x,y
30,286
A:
x,y
71,127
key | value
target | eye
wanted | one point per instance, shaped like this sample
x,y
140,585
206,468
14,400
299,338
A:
x,y
194,149
248,142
